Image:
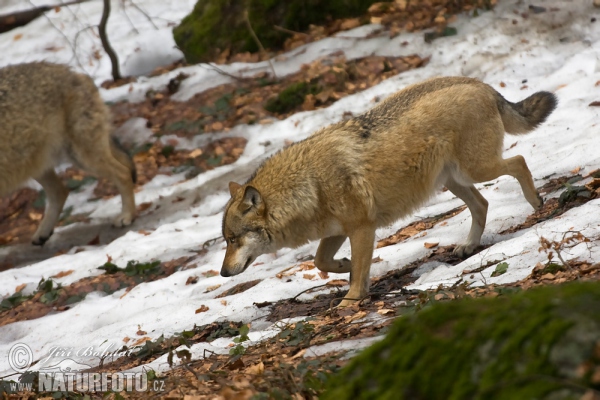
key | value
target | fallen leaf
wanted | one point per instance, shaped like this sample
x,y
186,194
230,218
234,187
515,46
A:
x,y
35,216
429,245
127,290
595,104
337,282
576,170
323,274
141,332
210,273
20,287
191,280
386,311
501,268
202,309
212,288
141,341
143,207
126,339
376,260
18,36
308,276
62,273
256,369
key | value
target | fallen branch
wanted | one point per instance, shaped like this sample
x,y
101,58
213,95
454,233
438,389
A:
x,y
22,18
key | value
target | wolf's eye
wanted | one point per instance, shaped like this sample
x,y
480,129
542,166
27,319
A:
x,y
231,240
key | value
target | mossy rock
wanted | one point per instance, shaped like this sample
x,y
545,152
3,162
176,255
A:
x,y
543,343
216,25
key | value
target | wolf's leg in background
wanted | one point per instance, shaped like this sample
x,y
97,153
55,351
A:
x,y
362,244
56,195
324,259
515,167
478,207
101,161
124,158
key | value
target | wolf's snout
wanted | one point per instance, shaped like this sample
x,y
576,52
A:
x,y
225,273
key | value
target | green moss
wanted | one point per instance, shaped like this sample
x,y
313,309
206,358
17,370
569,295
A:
x,y
524,346
216,25
291,97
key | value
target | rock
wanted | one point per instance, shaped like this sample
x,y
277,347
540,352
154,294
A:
x,y
543,343
218,25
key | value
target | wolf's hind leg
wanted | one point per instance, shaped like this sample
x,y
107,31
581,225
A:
x,y
324,259
515,167
101,161
56,195
478,206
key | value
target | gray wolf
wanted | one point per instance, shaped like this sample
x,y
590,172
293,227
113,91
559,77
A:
x,y
49,113
350,178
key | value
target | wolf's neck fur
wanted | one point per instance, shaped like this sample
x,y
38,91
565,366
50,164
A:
x,y
303,213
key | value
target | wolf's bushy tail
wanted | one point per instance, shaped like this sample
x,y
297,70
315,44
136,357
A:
x,y
526,115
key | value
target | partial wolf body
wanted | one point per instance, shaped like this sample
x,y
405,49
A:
x,y
352,177
47,113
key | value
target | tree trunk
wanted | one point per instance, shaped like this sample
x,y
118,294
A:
x,y
114,60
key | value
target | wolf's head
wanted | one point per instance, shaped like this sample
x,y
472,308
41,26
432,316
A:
x,y
244,229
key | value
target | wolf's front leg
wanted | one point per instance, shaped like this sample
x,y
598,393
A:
x,y
361,243
324,259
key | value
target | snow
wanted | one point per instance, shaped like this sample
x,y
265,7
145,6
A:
x,y
556,51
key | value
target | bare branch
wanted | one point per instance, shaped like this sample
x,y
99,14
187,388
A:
x,y
127,16
260,46
144,13
71,45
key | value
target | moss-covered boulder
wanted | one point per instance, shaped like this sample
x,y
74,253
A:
x,y
543,343
216,25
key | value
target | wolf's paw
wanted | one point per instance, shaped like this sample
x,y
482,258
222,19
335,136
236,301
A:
x,y
39,239
464,250
122,220
347,303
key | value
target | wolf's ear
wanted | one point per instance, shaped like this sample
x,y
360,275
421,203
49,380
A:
x,y
252,198
233,188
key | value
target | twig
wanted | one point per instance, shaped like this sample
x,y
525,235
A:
x,y
80,32
127,16
73,48
282,29
309,289
220,71
144,13
260,46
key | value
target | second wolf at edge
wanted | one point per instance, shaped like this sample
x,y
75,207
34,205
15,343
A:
x,y
350,178
49,113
